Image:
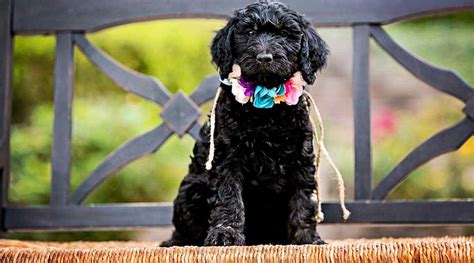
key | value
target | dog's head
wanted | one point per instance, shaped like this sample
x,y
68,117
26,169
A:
x,y
270,42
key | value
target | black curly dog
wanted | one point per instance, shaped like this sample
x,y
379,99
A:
x,y
260,188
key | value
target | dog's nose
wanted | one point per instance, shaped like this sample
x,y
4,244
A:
x,y
265,57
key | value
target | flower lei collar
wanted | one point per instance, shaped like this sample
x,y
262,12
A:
x,y
263,97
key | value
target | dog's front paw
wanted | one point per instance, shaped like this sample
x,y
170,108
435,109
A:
x,y
168,243
224,236
319,241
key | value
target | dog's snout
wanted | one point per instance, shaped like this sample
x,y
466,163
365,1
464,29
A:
x,y
265,57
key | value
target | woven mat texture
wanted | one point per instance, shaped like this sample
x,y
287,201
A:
x,y
448,249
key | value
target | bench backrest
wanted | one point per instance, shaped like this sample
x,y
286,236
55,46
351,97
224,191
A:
x,y
71,20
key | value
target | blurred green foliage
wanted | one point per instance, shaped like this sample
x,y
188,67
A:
x,y
446,41
176,52
449,176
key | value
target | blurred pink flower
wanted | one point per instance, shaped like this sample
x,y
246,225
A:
x,y
384,123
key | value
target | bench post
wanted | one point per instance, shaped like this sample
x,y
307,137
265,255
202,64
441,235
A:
x,y
361,98
6,48
63,95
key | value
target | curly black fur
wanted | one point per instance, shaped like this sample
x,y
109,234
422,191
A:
x,y
260,188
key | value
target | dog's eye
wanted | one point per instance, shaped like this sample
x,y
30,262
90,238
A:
x,y
250,33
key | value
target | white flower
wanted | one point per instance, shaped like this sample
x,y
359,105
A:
x,y
239,92
236,72
237,89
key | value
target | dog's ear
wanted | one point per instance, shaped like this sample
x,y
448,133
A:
x,y
221,48
313,53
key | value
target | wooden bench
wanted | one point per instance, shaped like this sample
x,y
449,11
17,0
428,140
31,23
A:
x,y
70,21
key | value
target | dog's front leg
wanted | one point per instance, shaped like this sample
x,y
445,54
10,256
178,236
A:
x,y
227,218
303,208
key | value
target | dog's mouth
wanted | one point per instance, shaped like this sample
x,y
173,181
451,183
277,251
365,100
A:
x,y
267,80
266,72
266,75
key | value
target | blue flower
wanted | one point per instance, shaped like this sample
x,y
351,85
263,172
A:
x,y
264,98
280,90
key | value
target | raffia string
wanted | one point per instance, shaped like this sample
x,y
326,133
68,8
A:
x,y
317,163
321,148
212,147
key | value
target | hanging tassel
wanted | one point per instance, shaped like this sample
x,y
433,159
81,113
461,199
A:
x,y
317,163
212,146
322,149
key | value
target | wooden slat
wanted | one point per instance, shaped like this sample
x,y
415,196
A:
x,y
402,212
445,141
63,94
6,50
444,80
88,217
194,131
131,150
34,16
206,90
469,108
154,215
361,100
180,113
141,85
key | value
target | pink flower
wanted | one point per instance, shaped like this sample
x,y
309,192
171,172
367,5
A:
x,y
294,89
297,80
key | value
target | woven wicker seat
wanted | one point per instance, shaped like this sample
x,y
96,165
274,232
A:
x,y
72,21
458,249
